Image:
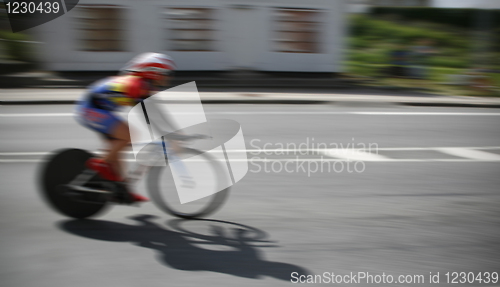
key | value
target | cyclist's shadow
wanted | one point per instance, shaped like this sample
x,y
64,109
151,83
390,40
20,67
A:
x,y
180,248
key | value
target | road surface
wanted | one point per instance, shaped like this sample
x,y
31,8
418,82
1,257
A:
x,y
424,198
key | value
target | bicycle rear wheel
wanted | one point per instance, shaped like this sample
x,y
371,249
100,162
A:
x,y
163,191
60,170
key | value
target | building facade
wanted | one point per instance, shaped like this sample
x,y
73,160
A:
x,y
279,35
363,6
400,3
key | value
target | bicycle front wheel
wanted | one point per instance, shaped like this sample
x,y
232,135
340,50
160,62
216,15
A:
x,y
163,191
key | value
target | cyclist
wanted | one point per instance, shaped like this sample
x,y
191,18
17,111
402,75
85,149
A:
x,y
140,78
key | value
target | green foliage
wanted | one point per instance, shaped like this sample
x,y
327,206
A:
x,y
364,28
16,46
363,69
453,33
372,40
451,62
358,42
462,18
372,57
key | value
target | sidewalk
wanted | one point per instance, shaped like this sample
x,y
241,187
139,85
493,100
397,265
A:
x,y
345,98
240,87
237,79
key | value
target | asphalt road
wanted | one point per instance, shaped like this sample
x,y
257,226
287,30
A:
x,y
426,201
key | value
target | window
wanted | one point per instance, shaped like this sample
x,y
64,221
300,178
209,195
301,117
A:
x,y
191,29
297,30
101,27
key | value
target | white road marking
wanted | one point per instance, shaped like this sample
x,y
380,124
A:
x,y
22,153
281,151
470,154
355,155
430,148
361,113
37,115
288,113
319,151
464,154
424,114
400,160
20,160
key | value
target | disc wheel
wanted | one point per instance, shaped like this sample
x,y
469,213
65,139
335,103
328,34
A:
x,y
59,170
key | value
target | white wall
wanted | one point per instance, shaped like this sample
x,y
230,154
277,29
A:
x,y
243,37
332,37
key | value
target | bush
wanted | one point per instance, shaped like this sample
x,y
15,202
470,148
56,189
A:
x,y
462,18
383,30
15,46
368,57
372,40
358,25
450,62
358,42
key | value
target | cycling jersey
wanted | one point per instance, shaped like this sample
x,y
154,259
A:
x,y
95,109
111,93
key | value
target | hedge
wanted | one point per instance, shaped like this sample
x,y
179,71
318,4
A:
x,y
464,18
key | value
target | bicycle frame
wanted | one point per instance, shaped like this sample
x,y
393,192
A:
x,y
167,151
140,169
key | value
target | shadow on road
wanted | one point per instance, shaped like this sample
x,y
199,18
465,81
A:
x,y
182,249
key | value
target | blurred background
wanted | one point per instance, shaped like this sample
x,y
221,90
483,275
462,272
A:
x,y
437,46
417,81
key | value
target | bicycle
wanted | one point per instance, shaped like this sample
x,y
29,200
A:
x,y
78,192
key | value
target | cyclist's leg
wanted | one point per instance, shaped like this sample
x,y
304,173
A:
x,y
114,131
120,139
116,134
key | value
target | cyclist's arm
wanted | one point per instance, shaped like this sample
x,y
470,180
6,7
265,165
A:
x,y
136,91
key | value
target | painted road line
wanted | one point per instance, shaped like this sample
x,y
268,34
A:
x,y
37,115
361,113
464,154
429,148
20,160
22,153
470,154
355,155
254,159
424,114
281,151
315,151
287,113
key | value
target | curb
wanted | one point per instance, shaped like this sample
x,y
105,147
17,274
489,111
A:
x,y
33,80
271,102
453,105
39,102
